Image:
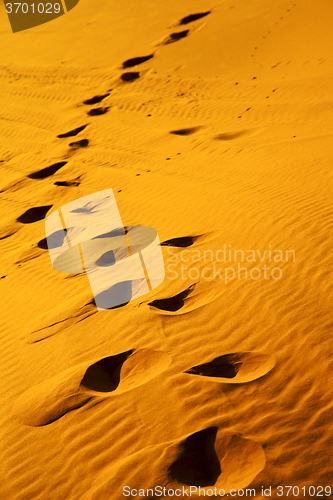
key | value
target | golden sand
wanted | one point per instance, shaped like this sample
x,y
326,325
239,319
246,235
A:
x,y
216,130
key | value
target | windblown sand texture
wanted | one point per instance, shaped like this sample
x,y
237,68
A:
x,y
212,123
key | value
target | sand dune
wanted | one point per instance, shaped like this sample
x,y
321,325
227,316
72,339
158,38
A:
x,y
211,122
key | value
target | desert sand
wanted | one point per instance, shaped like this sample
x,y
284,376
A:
x,y
212,123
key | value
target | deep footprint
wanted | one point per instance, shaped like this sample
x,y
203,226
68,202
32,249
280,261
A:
x,y
72,133
55,240
185,241
210,458
174,37
172,304
185,131
193,17
67,183
104,376
136,60
235,368
198,464
213,457
119,294
98,111
53,398
229,136
96,99
34,214
48,171
130,76
79,144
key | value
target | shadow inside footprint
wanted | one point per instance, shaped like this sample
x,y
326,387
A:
x,y
48,171
130,76
98,111
72,133
104,376
229,136
112,234
193,17
67,183
54,240
34,214
106,260
79,144
236,368
172,304
198,464
185,131
185,241
118,295
129,63
174,37
96,99
223,366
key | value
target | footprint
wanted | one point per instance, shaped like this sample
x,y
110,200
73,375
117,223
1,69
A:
x,y
48,171
79,144
67,183
193,17
96,99
120,293
34,214
107,259
174,37
54,240
130,76
185,241
198,463
136,60
210,458
125,371
98,111
72,133
104,376
235,368
185,131
172,304
75,387
229,136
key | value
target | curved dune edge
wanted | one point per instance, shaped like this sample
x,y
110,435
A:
x,y
235,368
209,458
56,321
73,388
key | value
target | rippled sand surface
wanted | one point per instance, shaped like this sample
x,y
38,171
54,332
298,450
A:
x,y
212,123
